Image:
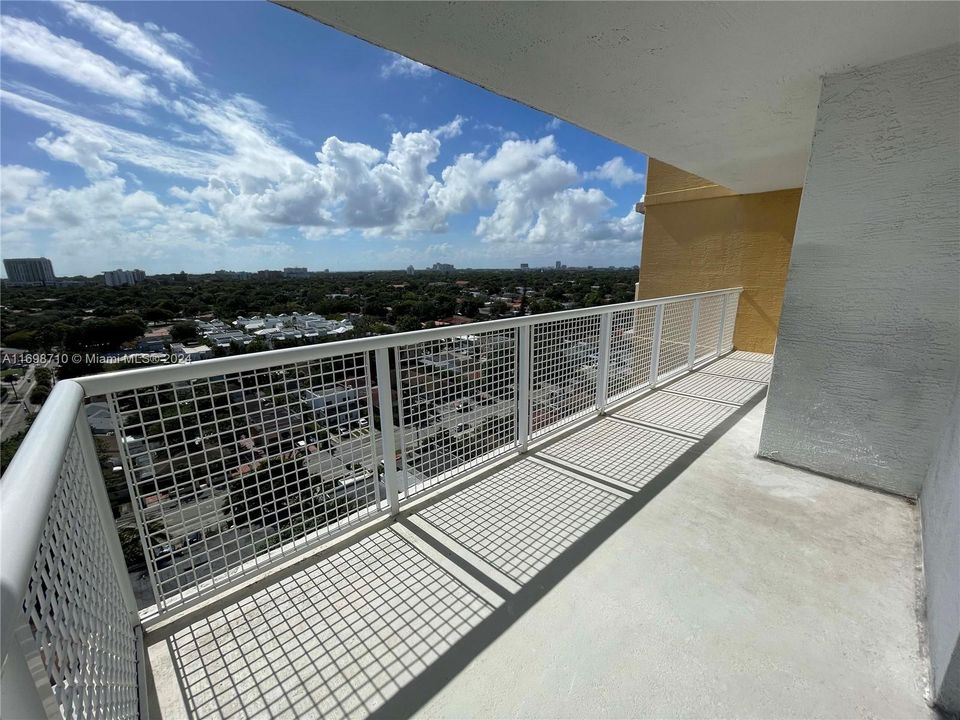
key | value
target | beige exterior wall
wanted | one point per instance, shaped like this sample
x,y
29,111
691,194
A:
x,y
701,236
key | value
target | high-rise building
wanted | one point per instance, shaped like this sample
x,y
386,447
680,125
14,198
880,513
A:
x,y
558,265
119,278
295,272
29,271
410,270
524,266
443,267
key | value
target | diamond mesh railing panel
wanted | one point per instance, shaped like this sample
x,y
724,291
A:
x,y
75,609
675,337
631,347
563,371
457,405
231,472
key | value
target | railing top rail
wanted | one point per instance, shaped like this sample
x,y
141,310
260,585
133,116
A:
x,y
26,494
144,377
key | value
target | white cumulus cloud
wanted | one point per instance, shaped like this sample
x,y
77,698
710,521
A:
x,y
617,172
18,184
79,149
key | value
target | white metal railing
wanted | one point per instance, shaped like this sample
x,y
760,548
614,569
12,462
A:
x,y
239,463
69,621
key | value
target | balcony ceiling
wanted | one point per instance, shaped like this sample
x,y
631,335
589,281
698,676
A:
x,y
726,90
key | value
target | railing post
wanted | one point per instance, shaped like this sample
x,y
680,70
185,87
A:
x,y
723,320
655,347
523,387
694,321
603,361
387,437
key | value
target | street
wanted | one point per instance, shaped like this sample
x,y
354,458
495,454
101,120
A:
x,y
13,412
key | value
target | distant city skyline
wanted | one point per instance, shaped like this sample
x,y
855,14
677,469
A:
x,y
161,137
120,277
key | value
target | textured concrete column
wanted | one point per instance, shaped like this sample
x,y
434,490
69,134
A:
x,y
940,513
869,335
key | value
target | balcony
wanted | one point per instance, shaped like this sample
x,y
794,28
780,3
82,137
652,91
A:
x,y
556,515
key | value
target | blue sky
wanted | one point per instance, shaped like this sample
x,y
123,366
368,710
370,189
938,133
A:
x,y
199,136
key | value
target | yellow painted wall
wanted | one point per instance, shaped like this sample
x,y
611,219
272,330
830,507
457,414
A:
x,y
698,235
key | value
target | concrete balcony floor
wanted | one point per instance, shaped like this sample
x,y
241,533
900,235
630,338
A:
x,y
620,570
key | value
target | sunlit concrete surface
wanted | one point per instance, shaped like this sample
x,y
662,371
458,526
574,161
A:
x,y
644,565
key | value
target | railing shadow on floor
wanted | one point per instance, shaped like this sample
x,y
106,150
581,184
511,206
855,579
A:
x,y
336,639
380,626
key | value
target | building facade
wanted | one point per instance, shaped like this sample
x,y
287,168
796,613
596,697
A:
x,y
120,278
29,271
698,235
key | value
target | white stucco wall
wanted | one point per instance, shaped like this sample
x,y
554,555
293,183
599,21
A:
x,y
940,514
869,337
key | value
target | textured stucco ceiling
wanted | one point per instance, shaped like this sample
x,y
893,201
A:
x,y
726,90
